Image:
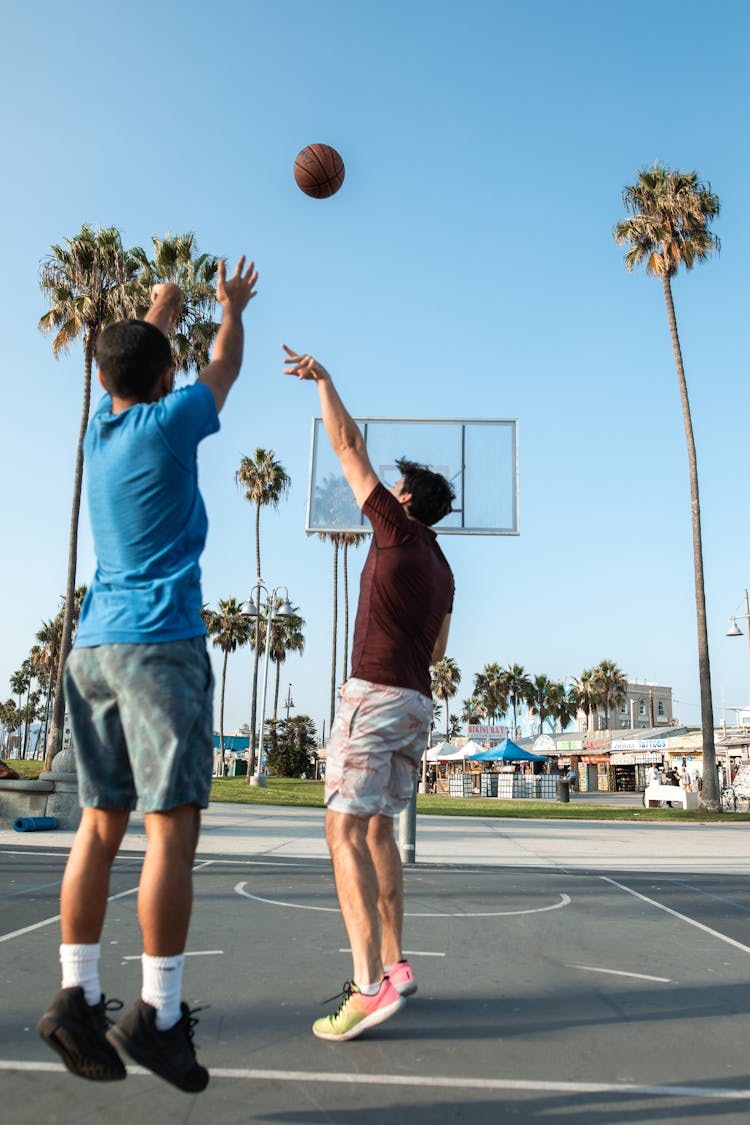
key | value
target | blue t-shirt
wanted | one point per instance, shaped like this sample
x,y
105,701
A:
x,y
148,519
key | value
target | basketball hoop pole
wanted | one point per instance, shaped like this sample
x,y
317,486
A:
x,y
407,830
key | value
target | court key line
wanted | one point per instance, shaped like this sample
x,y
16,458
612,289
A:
x,y
409,953
676,914
564,901
350,1077
620,973
56,917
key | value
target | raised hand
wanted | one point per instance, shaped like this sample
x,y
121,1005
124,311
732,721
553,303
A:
x,y
235,293
303,366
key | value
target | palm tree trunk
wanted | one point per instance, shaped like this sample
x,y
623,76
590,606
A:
x,y
710,792
447,738
335,630
221,706
256,653
55,737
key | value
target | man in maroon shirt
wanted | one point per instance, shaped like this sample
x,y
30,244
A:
x,y
382,726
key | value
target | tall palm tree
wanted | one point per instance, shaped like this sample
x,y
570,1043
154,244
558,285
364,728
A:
x,y
348,539
86,280
585,694
20,685
669,226
518,688
445,676
176,259
265,482
490,691
612,686
286,637
229,628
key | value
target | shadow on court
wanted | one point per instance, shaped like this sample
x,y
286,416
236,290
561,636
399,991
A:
x,y
549,996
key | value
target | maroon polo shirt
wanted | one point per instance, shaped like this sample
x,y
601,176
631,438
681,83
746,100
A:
x,y
405,592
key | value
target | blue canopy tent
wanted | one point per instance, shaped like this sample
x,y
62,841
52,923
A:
x,y
507,751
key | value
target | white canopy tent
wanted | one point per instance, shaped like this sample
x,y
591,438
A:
x,y
447,752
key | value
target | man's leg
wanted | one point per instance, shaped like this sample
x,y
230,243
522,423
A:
x,y
85,886
75,1023
158,1030
165,895
357,890
390,876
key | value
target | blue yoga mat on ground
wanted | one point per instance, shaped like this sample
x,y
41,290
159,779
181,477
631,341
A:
x,y
34,823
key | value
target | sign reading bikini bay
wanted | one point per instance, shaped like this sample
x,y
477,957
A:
x,y
486,732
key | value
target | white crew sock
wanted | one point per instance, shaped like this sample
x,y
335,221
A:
x,y
369,989
80,969
162,987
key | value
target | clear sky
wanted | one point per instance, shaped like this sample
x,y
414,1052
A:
x,y
466,268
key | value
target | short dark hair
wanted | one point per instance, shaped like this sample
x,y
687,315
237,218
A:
x,y
431,494
131,355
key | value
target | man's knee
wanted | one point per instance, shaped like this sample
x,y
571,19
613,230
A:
x,y
176,830
105,828
345,830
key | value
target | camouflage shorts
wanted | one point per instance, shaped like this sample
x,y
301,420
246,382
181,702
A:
x,y
377,740
142,722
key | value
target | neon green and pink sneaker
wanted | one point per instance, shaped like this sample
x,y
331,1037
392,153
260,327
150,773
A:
x,y
357,1012
402,978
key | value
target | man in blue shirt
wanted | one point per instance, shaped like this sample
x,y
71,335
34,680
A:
x,y
139,686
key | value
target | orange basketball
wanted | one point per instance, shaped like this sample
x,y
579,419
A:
x,y
319,171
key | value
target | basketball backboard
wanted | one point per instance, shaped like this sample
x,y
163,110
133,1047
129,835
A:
x,y
478,456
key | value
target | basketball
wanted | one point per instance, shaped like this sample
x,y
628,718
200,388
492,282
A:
x,y
319,171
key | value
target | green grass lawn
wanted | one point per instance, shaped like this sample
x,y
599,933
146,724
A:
x,y
27,771
309,794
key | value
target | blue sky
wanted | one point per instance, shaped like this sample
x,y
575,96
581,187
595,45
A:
x,y
466,268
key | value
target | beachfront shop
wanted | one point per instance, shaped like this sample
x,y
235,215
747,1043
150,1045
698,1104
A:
x,y
630,760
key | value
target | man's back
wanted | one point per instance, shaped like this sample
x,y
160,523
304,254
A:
x,y
406,591
148,519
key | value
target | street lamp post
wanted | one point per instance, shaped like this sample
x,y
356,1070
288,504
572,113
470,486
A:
x,y
734,629
275,605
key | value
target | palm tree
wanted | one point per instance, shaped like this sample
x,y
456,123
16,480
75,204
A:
x,y
445,676
612,686
490,691
471,709
585,694
518,688
176,259
669,226
543,698
265,482
564,707
86,280
20,685
229,628
348,539
286,637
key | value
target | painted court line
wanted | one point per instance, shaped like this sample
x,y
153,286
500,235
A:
x,y
620,973
350,1077
564,901
187,953
676,914
408,952
56,917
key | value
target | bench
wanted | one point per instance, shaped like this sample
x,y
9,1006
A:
x,y
656,794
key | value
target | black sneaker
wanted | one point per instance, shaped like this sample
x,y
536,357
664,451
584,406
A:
x,y
77,1031
170,1053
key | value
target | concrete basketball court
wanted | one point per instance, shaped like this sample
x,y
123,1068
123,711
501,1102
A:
x,y
568,971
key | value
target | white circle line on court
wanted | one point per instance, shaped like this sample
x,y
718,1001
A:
x,y
349,1077
564,901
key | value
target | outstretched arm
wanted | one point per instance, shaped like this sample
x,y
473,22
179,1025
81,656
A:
x,y
226,357
166,306
343,432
